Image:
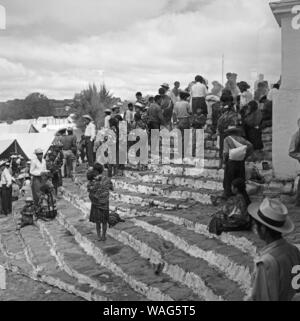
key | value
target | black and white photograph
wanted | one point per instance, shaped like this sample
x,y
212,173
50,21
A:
x,y
149,153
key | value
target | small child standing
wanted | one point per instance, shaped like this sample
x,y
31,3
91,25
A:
x,y
98,188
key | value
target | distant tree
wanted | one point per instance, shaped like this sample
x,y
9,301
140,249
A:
x,y
37,105
93,102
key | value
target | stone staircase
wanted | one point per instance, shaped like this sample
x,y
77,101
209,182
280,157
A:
x,y
163,250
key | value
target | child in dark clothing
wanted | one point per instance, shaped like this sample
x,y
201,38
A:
x,y
199,119
98,188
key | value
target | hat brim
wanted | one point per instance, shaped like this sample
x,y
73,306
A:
x,y
288,226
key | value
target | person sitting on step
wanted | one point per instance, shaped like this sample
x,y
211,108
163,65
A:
x,y
234,214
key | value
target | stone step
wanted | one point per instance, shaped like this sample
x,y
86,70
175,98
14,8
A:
x,y
124,261
78,264
195,219
231,263
187,171
44,267
190,182
196,235
202,195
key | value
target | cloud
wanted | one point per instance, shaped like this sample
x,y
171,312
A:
x,y
136,44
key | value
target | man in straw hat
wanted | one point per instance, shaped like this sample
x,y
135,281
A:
x,y
274,268
37,168
90,135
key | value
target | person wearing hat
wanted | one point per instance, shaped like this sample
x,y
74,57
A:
x,y
37,167
6,189
107,116
294,152
69,150
27,213
229,117
236,150
116,111
273,277
198,94
90,135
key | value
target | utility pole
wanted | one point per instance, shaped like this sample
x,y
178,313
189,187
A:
x,y
223,70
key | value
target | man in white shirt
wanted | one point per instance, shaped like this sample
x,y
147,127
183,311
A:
x,y
273,92
198,94
90,135
6,189
37,168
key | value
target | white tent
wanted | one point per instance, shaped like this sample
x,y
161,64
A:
x,y
30,142
17,129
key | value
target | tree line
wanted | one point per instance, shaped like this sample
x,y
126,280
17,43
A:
x,y
92,101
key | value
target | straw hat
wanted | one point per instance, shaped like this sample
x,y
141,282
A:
x,y
87,117
29,200
165,85
115,107
108,111
38,151
273,214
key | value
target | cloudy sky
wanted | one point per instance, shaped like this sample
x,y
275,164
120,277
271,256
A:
x,y
58,47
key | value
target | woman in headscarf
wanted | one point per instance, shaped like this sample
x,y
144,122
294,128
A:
x,y
252,122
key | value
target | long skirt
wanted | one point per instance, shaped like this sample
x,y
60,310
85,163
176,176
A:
x,y
233,170
98,215
36,185
221,223
199,102
6,199
254,136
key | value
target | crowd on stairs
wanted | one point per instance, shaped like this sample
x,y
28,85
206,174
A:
x,y
233,116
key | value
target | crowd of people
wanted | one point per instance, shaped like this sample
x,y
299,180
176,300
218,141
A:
x,y
233,115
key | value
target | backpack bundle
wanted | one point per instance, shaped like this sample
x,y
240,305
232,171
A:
x,y
239,152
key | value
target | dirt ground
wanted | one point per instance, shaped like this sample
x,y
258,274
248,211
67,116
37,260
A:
x,y
21,288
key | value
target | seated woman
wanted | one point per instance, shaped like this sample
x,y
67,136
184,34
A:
x,y
234,214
